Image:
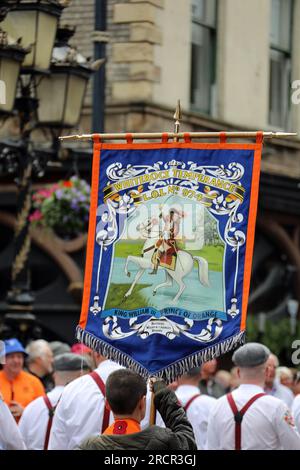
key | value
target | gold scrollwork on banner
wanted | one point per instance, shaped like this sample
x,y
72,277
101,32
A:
x,y
235,191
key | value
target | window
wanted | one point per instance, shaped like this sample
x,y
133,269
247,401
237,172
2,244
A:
x,y
203,54
280,62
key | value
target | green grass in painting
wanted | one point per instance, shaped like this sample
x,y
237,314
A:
x,y
213,254
128,247
116,299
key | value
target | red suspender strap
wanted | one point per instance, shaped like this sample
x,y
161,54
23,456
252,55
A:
x,y
51,410
238,416
238,421
190,401
101,386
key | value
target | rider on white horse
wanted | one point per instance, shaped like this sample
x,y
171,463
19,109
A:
x,y
183,266
166,241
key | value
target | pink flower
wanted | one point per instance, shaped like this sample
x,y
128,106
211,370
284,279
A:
x,y
36,215
44,193
53,188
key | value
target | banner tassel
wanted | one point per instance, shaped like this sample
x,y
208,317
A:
x,y
170,373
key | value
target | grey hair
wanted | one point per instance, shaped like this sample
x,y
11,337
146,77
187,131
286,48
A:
x,y
36,349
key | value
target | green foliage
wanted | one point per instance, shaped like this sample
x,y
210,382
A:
x,y
277,335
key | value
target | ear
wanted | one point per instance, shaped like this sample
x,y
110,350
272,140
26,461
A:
x,y
107,406
238,372
142,403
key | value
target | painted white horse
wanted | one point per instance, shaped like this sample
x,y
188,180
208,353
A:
x,y
184,264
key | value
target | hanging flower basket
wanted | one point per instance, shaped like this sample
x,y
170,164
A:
x,y
62,207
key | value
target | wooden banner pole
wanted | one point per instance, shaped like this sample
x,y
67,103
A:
x,y
180,135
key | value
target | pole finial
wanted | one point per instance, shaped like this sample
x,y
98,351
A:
x,y
177,117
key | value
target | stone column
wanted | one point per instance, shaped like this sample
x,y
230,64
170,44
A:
x,y
133,68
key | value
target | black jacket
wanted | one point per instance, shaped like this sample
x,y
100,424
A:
x,y
178,434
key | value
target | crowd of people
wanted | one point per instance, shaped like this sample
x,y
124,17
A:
x,y
57,397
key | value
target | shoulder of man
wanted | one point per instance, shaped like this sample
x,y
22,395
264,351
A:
x,y
34,404
283,415
296,402
204,402
27,376
286,390
273,401
92,443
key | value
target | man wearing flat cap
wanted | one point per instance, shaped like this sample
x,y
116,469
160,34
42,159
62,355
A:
x,y
247,418
35,424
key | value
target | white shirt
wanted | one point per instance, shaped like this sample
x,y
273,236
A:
x,y
267,425
34,421
79,413
282,392
10,436
197,412
296,411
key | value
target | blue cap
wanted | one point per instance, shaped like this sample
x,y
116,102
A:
x,y
13,345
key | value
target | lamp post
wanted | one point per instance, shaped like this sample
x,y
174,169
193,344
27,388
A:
x,y
36,22
52,80
61,93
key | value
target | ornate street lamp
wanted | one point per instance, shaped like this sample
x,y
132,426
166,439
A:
x,y
36,23
61,93
11,57
50,97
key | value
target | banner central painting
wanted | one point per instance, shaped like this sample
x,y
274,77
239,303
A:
x,y
169,253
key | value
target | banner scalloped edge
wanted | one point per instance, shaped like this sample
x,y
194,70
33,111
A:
x,y
173,371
